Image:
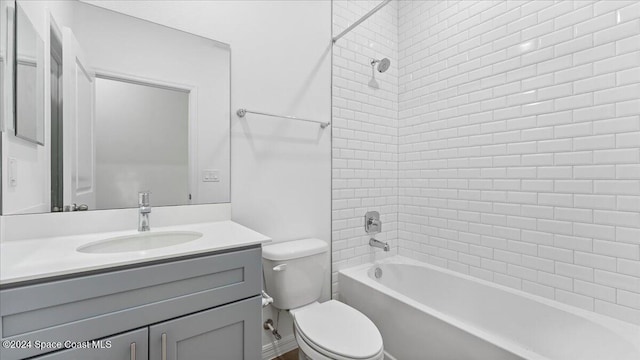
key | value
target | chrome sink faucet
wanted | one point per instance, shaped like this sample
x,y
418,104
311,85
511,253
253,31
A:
x,y
144,209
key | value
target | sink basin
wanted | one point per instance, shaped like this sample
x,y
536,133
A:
x,y
139,242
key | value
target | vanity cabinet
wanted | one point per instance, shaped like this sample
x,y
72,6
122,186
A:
x,y
133,345
224,333
205,306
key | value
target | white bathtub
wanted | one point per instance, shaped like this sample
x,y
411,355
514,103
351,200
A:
x,y
425,312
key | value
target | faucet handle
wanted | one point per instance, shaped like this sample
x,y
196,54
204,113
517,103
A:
x,y
372,223
143,198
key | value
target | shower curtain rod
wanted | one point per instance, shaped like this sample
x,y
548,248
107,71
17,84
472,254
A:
x,y
242,112
365,17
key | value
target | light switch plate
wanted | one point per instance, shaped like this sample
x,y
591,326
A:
x,y
13,172
211,175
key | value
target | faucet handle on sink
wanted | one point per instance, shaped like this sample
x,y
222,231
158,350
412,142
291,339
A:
x,y
143,198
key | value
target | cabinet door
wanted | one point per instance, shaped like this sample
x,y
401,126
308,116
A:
x,y
132,345
229,332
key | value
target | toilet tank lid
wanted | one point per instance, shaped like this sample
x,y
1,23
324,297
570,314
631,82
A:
x,y
288,250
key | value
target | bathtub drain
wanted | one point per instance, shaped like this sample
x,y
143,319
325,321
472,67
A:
x,y
378,273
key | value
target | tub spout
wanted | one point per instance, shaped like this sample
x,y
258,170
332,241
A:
x,y
379,244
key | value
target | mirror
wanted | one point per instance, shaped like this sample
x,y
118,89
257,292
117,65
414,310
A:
x,y
129,106
29,86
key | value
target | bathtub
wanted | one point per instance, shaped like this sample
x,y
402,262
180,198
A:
x,y
426,312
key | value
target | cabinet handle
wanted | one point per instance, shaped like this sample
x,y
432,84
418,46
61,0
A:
x,y
133,351
164,346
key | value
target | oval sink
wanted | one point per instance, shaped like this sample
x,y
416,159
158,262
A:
x,y
139,242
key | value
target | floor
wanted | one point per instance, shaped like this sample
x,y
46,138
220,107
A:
x,y
291,355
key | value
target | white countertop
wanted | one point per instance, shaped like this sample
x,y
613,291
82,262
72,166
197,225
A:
x,y
46,257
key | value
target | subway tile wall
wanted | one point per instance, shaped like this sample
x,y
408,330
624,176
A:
x,y
365,133
519,146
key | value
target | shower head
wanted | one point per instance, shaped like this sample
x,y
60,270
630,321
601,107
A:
x,y
383,64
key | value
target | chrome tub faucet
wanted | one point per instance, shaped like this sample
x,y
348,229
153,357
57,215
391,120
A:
x,y
373,226
379,244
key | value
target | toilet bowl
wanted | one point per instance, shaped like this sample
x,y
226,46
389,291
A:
x,y
294,274
335,331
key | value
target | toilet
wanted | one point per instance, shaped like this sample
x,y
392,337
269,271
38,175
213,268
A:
x,y
294,272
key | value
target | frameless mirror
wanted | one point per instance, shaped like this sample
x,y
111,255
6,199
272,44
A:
x,y
130,106
29,85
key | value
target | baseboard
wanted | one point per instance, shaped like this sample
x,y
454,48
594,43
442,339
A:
x,y
279,347
388,357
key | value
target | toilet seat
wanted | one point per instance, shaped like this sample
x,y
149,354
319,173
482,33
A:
x,y
315,353
338,331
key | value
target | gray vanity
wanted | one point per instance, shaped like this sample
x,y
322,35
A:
x,y
195,307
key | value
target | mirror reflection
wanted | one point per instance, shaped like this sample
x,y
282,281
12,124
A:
x,y
131,106
29,89
7,17
131,159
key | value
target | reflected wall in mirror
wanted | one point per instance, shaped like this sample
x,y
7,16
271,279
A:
x,y
127,158
131,106
29,84
7,17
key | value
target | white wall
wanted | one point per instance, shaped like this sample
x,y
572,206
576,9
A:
x,y
281,63
520,146
365,133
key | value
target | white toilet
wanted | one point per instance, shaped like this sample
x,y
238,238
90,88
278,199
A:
x,y
294,272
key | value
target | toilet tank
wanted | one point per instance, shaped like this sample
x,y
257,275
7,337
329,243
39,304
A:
x,y
294,271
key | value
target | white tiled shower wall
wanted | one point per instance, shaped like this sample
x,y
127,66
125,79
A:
x,y
519,145
365,133
504,143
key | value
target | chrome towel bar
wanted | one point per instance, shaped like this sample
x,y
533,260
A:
x,y
242,112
